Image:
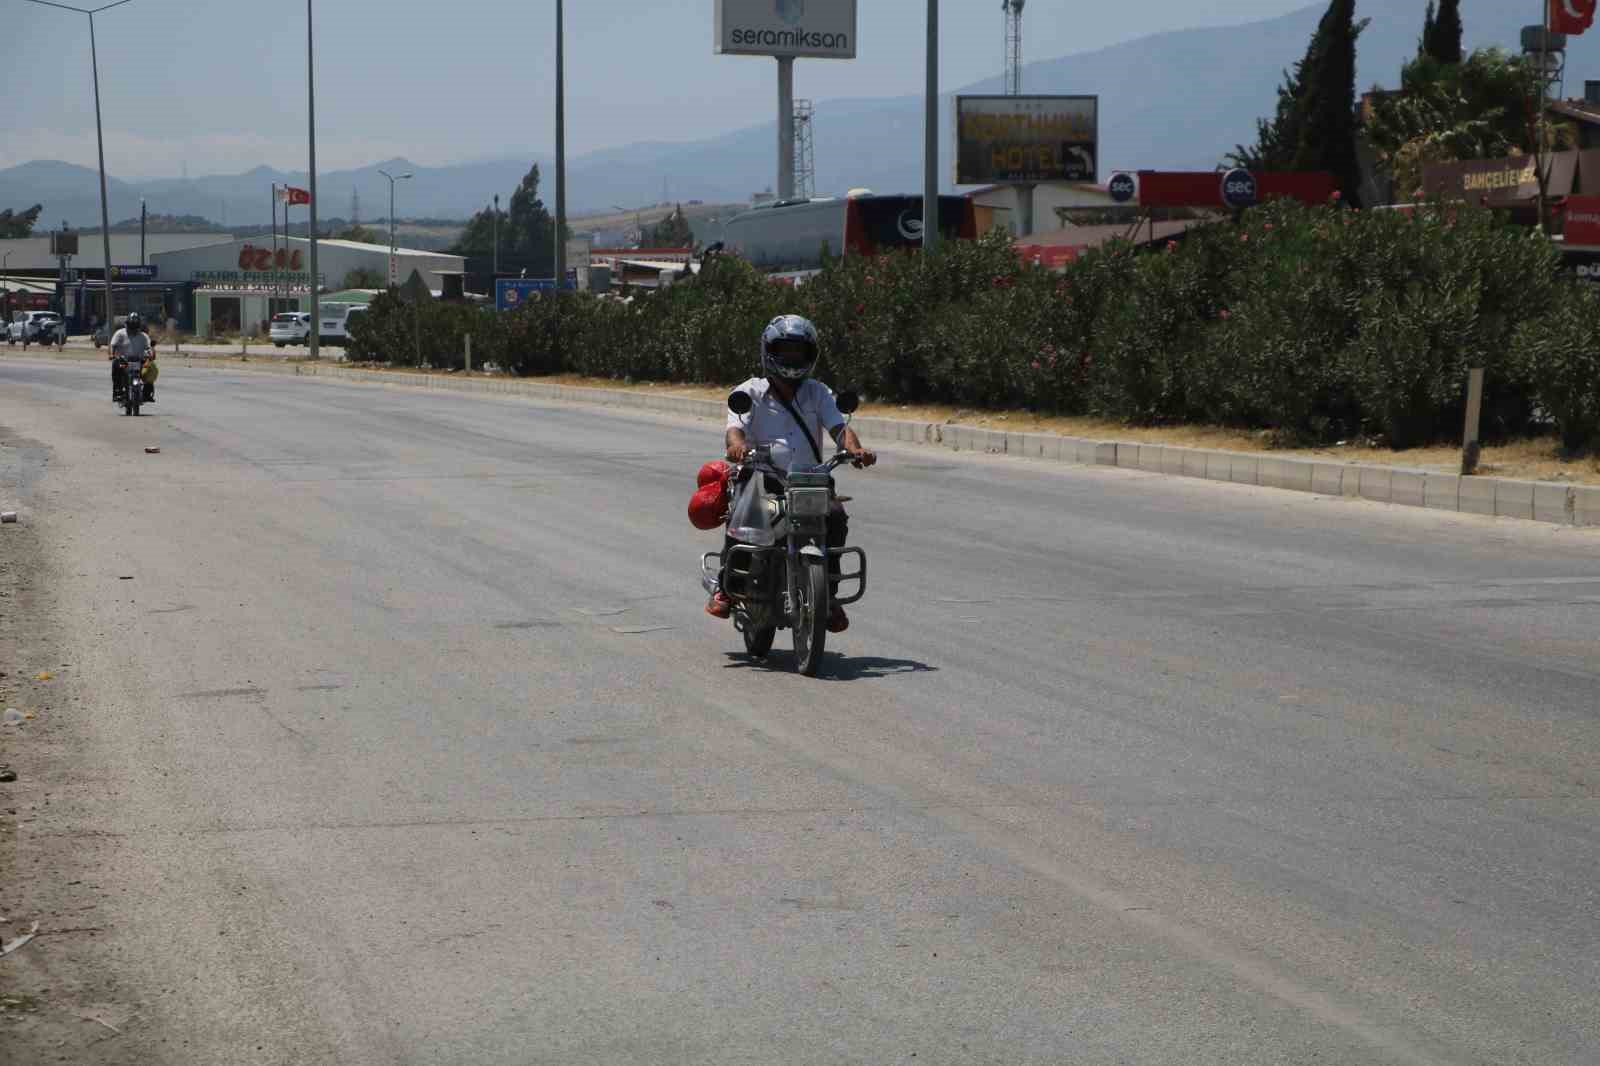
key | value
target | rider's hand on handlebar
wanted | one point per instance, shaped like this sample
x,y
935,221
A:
x,y
737,452
861,458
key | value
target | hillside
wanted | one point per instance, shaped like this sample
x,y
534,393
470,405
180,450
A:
x,y
1177,100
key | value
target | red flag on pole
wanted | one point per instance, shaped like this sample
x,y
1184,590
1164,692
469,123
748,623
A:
x,y
1571,16
292,195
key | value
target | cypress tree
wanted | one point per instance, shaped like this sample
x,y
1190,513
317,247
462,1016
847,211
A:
x,y
1429,32
1446,43
1328,125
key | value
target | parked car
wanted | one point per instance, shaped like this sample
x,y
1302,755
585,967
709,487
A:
x,y
36,327
333,322
290,327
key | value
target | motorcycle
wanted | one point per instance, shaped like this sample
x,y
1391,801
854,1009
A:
x,y
132,385
775,567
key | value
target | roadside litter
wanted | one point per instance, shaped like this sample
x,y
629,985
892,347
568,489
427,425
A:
x,y
20,941
8,517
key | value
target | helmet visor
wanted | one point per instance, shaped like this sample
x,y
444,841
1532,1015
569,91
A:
x,y
792,353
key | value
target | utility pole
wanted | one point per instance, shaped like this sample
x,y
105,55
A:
x,y
930,136
311,132
494,222
561,151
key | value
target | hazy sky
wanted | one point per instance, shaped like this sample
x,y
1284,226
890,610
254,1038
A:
x,y
221,85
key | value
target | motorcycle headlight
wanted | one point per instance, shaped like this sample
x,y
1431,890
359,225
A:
x,y
808,503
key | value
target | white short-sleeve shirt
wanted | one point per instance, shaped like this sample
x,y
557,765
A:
x,y
769,423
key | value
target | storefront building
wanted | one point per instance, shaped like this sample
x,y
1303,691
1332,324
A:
x,y
238,287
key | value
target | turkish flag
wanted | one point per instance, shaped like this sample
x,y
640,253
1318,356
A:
x,y
1571,16
292,195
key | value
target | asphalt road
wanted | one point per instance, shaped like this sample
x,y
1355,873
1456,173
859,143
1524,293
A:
x,y
403,739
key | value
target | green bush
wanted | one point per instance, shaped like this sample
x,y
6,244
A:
x,y
1313,322
1559,352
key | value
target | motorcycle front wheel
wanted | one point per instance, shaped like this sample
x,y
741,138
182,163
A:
x,y
758,641
811,621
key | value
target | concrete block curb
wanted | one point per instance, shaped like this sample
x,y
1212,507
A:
x,y
1552,502
1327,479
1543,501
1406,487
1442,492
1476,496
1586,505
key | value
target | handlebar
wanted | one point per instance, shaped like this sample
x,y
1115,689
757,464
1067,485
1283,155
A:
x,y
761,455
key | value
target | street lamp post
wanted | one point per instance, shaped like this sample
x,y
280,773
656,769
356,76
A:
x,y
94,64
494,223
392,179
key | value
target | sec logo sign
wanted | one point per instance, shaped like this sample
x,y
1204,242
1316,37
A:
x,y
1239,188
1122,188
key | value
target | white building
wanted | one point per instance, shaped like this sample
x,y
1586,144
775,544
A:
x,y
241,284
1000,205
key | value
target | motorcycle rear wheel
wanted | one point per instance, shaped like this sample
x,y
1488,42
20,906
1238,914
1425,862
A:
x,y
811,623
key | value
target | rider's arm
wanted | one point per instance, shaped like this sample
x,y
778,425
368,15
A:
x,y
735,443
846,438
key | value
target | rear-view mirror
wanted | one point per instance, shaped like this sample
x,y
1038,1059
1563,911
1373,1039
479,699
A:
x,y
739,402
848,401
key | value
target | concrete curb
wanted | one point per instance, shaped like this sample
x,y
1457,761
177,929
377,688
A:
x,y
1540,501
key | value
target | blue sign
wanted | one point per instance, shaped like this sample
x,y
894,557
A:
x,y
134,273
1122,188
512,293
1239,188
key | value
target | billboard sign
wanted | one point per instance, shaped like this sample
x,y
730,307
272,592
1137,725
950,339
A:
x,y
812,29
1026,139
512,293
1582,220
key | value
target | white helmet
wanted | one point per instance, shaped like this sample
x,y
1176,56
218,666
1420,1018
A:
x,y
789,348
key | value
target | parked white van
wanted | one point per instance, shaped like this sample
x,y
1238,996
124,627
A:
x,y
334,321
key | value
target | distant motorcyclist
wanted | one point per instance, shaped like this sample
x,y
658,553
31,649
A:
x,y
128,344
790,411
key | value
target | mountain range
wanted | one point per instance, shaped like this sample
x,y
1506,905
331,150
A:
x,y
1175,101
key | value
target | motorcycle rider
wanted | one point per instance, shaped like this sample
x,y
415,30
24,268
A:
x,y
789,412
129,343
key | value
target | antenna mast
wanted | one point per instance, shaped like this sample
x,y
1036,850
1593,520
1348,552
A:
x,y
805,169
1013,15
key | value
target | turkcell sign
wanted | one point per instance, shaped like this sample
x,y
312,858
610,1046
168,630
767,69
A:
x,y
512,293
1026,139
134,273
811,29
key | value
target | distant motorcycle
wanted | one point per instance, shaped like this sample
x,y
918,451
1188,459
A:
x,y
132,384
776,566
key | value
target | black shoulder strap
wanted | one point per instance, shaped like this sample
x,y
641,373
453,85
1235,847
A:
x,y
801,423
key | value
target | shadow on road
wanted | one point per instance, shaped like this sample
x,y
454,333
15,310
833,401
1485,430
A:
x,y
834,667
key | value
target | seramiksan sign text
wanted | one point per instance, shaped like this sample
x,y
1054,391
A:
x,y
799,29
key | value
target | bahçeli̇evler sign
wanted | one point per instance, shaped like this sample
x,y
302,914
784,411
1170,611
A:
x,y
817,29
1026,138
